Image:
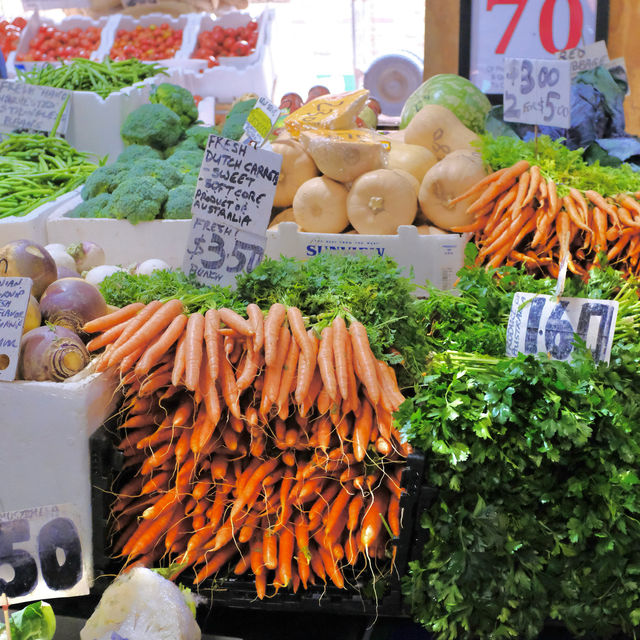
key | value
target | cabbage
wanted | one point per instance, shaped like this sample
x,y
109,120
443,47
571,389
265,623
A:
x,y
140,605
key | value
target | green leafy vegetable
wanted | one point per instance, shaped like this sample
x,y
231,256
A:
x,y
34,622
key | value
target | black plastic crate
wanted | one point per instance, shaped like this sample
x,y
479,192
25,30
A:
x,y
239,591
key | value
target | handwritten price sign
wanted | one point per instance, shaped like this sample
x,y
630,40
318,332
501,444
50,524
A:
x,y
537,92
231,211
41,555
545,324
14,299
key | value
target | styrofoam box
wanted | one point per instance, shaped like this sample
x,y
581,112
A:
x,y
188,22
106,25
233,20
44,459
33,225
433,258
123,242
95,122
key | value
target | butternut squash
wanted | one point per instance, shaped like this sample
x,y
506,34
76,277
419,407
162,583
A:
x,y
437,129
380,201
320,206
413,158
445,181
297,168
344,158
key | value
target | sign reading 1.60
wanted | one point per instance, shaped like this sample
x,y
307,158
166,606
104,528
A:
x,y
524,29
545,324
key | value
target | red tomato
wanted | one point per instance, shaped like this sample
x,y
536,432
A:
x,y
240,48
228,43
252,25
218,34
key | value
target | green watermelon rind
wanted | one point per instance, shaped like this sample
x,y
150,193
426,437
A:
x,y
456,93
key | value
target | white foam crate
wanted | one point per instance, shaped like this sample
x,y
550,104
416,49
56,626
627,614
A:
x,y
45,433
123,242
95,122
188,22
433,258
105,23
33,225
233,20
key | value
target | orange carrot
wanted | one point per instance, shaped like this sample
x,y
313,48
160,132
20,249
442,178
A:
x,y
161,345
504,182
273,322
256,321
193,350
285,556
306,378
270,550
216,562
144,334
326,363
600,202
229,387
365,360
110,320
286,381
235,321
273,373
478,186
372,521
106,338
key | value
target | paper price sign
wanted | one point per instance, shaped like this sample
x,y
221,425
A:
x,y
585,58
28,107
537,92
14,300
546,324
41,555
260,121
230,211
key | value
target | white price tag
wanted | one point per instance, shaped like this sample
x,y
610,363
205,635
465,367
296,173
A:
x,y
585,58
14,300
231,210
537,92
260,121
546,324
32,108
41,556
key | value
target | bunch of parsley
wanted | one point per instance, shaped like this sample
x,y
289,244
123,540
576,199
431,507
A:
x,y
536,466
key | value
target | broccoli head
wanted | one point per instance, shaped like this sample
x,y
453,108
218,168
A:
x,y
136,152
161,170
97,207
188,144
138,199
178,99
178,205
186,161
152,124
191,177
200,134
103,180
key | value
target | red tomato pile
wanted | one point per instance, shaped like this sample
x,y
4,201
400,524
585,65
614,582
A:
x,y
52,44
10,34
220,42
147,43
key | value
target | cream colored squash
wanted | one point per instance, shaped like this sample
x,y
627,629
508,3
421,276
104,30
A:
x,y
320,205
344,159
446,180
411,178
297,168
438,129
380,201
413,158
430,230
283,216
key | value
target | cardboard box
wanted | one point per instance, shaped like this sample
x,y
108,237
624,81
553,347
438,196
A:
x,y
433,258
123,242
45,443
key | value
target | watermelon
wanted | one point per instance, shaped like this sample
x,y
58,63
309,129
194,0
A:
x,y
456,93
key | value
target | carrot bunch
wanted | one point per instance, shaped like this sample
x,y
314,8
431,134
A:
x,y
253,441
521,218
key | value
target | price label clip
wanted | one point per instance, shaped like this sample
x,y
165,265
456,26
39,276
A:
x,y
547,324
260,122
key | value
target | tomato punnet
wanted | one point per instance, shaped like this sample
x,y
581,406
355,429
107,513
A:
x,y
10,34
220,42
51,43
154,42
